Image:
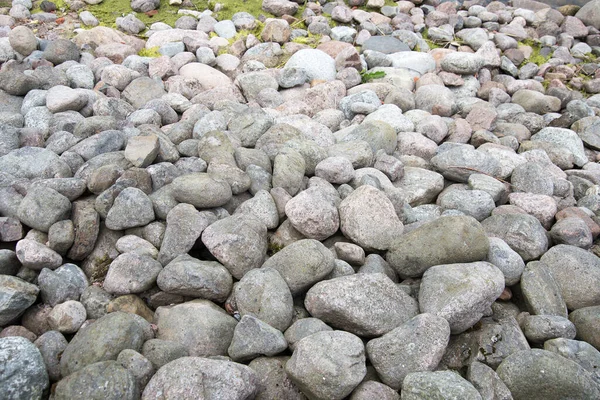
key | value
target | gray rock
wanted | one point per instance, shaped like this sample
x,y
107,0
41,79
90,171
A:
x,y
565,138
22,40
435,99
274,382
200,190
51,345
131,208
374,390
461,293
61,236
289,168
9,263
36,256
577,274
530,178
439,385
262,293
364,304
421,186
581,352
536,102
86,223
67,317
103,340
416,345
586,322
138,365
572,231
539,328
23,372
65,283
368,218
317,64
131,273
487,382
95,300
506,260
328,364
313,214
239,242
523,233
219,379
302,328
541,293
62,98
262,206
142,90
188,276
105,379
302,263
160,352
542,374
384,44
144,5
42,207
185,224
202,327
456,239
104,142
61,50
476,203
462,63
253,337
460,162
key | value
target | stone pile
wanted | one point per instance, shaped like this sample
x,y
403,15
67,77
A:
x,y
405,207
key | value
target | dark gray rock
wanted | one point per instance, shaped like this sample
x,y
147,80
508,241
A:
x,y
328,364
219,379
302,328
138,365
131,208
131,273
274,382
461,293
105,379
416,345
541,293
51,345
42,207
374,390
103,340
202,327
587,323
302,263
61,50
95,300
188,276
65,283
487,382
456,239
23,373
17,295
364,304
160,352
542,374
539,328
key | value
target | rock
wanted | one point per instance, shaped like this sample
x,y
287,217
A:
x,y
280,7
62,98
51,345
536,102
67,317
435,99
262,293
203,328
131,208
34,162
274,382
487,382
200,190
369,219
301,264
542,374
506,260
577,274
160,352
417,345
437,385
462,63
142,90
541,293
364,304
131,273
253,337
313,214
143,6
42,207
103,340
36,256
460,162
188,276
61,50
523,233
461,293
65,283
238,242
23,372
581,352
476,203
219,378
184,226
589,15
317,64
384,44
22,40
539,328
106,379
565,138
456,239
374,390
328,364
586,322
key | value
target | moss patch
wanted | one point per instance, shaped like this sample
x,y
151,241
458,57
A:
x,y
151,52
535,57
310,40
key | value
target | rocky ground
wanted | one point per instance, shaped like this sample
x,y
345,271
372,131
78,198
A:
x,y
324,201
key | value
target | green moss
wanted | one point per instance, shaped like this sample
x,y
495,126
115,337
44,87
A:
x,y
310,40
369,76
535,57
151,52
